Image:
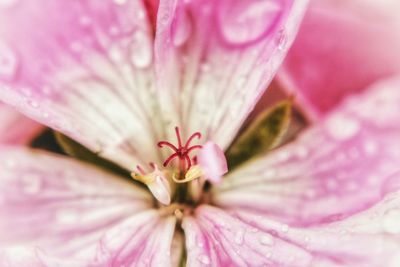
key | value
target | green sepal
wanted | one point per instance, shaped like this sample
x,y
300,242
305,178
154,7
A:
x,y
264,133
78,151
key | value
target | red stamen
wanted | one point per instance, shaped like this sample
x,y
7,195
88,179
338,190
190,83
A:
x,y
196,134
182,152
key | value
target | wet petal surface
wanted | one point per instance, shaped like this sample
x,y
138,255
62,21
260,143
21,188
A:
x,y
342,48
344,163
63,208
215,58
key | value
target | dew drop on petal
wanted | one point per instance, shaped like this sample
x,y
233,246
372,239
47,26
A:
x,y
391,221
8,62
204,259
242,22
7,3
281,39
33,103
31,184
67,217
285,228
141,53
181,26
239,237
342,127
266,239
120,2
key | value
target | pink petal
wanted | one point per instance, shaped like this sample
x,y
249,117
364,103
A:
x,y
212,160
335,169
142,240
30,257
342,47
83,68
16,128
215,58
216,238
61,206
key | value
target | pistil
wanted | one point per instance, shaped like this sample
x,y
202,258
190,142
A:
x,y
182,152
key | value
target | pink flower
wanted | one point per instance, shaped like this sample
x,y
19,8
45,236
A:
x,y
103,74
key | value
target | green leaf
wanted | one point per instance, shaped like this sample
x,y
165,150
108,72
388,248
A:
x,y
76,150
263,134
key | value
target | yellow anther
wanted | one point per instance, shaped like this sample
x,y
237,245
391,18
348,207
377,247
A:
x,y
146,179
193,173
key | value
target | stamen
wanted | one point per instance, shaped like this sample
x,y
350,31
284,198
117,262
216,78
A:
x,y
156,182
192,174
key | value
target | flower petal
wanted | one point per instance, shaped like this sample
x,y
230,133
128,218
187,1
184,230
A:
x,y
216,238
215,58
83,68
212,160
30,257
342,163
142,240
16,128
68,209
342,48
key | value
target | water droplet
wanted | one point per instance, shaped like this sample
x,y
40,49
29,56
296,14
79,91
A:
x,y
240,82
141,50
8,61
31,184
342,127
285,228
200,244
67,217
266,239
85,21
181,25
239,237
370,148
120,2
33,103
204,259
281,39
205,67
76,47
7,3
391,221
243,22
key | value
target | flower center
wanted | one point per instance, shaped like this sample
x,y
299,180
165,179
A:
x,y
184,179
181,152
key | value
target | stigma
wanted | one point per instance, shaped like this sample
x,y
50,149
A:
x,y
181,152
